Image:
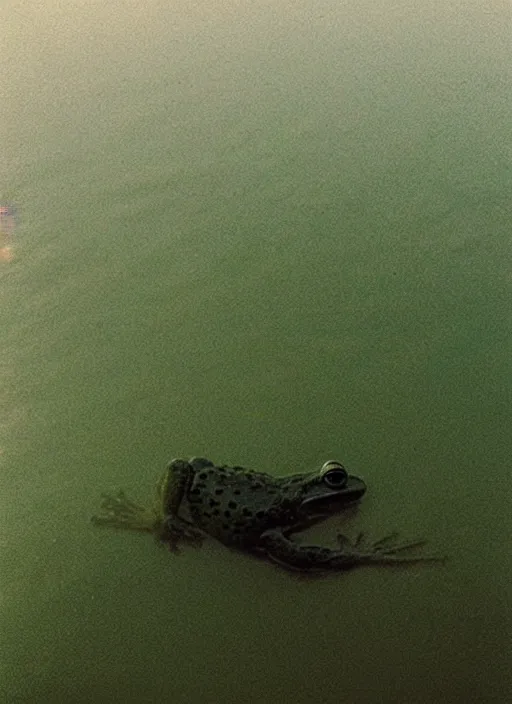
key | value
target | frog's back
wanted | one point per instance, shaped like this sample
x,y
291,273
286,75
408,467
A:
x,y
233,504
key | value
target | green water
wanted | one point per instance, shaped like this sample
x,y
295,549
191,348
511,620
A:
x,y
270,235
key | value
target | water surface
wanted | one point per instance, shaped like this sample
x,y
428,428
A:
x,y
270,235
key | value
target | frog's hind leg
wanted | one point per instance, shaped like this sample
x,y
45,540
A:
x,y
118,511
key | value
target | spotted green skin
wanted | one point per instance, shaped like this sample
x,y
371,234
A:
x,y
256,512
237,505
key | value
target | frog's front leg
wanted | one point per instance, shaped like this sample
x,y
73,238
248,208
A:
x,y
313,557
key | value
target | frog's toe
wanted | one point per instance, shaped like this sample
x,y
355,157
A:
x,y
118,511
359,543
385,541
390,549
344,541
120,505
386,549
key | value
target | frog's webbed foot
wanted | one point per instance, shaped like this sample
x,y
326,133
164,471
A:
x,y
385,550
351,553
118,511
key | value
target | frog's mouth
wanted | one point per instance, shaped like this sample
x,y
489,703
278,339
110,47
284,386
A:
x,y
330,500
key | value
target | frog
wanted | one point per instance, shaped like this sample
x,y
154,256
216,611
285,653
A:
x,y
257,513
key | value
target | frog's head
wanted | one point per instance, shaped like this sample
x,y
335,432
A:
x,y
330,490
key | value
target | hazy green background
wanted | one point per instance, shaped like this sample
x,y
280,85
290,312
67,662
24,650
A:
x,y
270,233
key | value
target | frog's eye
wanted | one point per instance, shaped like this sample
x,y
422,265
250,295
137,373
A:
x,y
334,475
